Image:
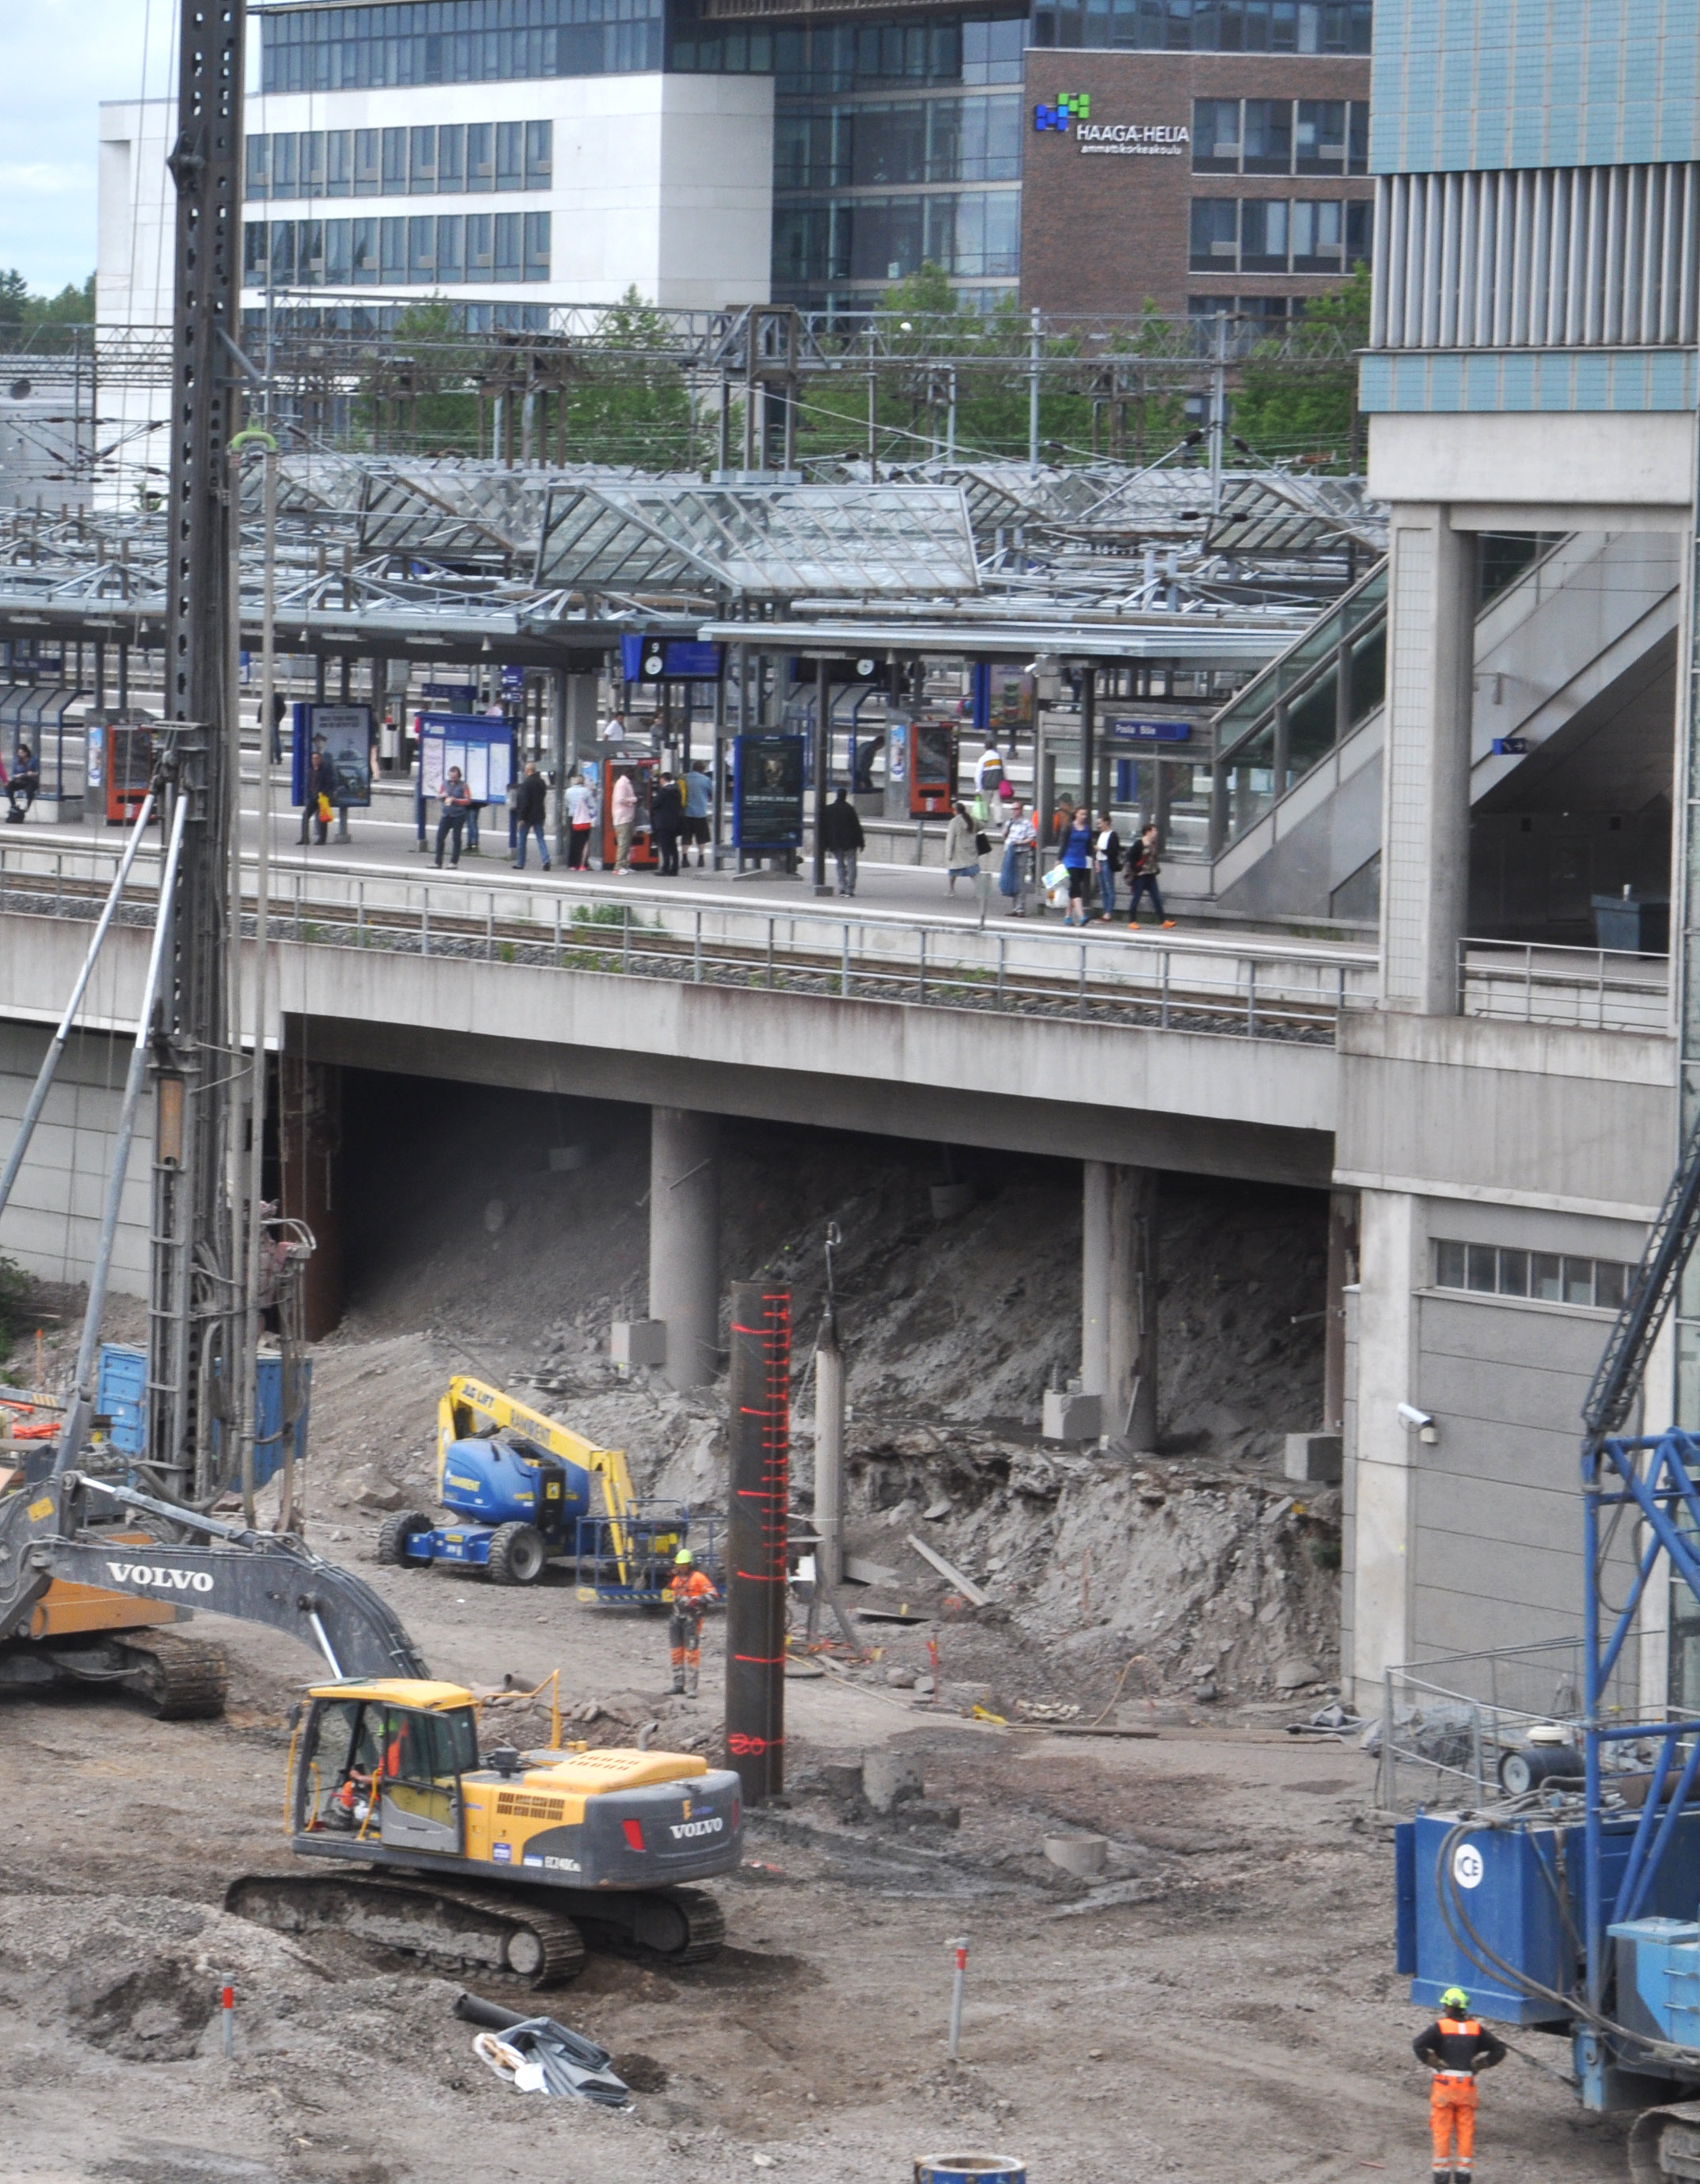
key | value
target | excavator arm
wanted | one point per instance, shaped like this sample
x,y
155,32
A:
x,y
256,1577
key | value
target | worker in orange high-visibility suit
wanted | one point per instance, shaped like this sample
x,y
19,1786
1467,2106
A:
x,y
1456,2045
354,1798
690,1593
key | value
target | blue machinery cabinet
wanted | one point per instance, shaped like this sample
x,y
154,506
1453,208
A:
x,y
121,1394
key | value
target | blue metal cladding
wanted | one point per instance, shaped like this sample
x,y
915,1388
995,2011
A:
x,y
1533,83
1453,382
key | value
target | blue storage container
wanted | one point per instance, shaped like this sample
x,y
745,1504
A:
x,y
1520,1888
121,1394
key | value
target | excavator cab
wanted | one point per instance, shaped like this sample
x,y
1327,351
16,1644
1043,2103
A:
x,y
382,1762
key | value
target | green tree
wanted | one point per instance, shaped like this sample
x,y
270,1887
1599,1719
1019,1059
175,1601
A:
x,y
1298,397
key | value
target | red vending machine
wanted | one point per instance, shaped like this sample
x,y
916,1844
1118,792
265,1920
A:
x,y
129,769
641,772
932,769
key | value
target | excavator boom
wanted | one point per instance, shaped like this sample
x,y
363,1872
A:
x,y
257,1577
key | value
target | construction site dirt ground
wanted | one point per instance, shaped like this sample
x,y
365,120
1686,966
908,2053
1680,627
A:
x,y
1222,2007
1219,2005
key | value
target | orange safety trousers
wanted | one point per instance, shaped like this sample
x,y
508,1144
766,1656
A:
x,y
1452,2111
686,1633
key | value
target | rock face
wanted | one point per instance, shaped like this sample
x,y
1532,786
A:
x,y
1200,1566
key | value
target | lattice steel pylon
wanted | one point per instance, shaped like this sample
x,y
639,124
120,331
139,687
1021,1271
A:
x,y
193,1291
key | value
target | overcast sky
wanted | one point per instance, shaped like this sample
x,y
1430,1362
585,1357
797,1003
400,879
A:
x,y
58,59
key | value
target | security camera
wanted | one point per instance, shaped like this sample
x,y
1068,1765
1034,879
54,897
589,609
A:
x,y
1413,1417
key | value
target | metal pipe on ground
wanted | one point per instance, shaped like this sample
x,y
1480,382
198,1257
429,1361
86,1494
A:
x,y
760,1434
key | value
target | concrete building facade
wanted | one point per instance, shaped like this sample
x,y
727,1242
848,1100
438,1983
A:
x,y
1534,284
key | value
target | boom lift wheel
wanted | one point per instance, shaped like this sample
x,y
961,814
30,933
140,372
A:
x,y
393,1534
517,1555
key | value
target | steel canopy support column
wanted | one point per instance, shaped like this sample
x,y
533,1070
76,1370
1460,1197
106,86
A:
x,y
823,753
759,1433
1426,810
684,1241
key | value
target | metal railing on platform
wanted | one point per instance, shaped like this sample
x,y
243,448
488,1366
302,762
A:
x,y
1591,989
1098,973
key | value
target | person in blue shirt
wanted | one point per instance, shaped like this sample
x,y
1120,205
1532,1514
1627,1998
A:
x,y
1077,857
699,793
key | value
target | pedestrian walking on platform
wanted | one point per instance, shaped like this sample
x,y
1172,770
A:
x,y
531,808
841,833
456,801
1147,864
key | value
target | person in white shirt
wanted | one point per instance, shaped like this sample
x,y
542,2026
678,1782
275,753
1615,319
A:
x,y
1015,876
613,729
580,819
989,771
1107,862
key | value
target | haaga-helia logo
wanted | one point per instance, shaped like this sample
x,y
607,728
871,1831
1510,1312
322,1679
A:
x,y
1072,106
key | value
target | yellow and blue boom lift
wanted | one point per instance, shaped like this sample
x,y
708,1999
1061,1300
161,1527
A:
x,y
522,1488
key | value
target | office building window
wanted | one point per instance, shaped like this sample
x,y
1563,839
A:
x,y
1280,136
1206,26
1278,235
396,163
1547,1277
428,250
424,42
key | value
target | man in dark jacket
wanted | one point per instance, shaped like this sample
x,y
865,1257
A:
x,y
530,808
23,787
1455,2047
667,823
322,780
841,833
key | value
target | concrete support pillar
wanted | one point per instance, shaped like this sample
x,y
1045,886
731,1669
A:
x,y
1342,1270
1382,1452
1118,1298
684,1241
829,1455
1425,816
580,698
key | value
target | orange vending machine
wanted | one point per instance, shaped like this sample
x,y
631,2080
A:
x,y
129,769
642,773
932,769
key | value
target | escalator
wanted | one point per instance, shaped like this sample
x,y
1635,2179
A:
x,y
1570,759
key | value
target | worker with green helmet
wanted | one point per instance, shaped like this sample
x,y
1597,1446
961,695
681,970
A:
x,y
690,1592
1455,2047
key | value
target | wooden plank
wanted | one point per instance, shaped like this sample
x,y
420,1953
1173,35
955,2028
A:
x,y
965,1585
1085,1729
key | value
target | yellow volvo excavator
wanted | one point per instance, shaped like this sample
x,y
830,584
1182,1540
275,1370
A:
x,y
408,1835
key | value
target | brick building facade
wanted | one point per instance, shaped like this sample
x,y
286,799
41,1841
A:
x,y
1195,180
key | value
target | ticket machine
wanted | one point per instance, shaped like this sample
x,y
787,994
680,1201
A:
x,y
932,769
129,770
642,773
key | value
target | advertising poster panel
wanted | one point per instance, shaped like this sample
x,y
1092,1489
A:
x,y
768,792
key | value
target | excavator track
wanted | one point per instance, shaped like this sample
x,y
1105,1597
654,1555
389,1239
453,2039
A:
x,y
460,1928
671,1926
182,1679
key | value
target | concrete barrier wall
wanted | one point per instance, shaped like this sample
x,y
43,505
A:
x,y
53,1222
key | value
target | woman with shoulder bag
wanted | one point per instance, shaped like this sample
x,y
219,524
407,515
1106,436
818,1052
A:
x,y
962,849
1146,866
